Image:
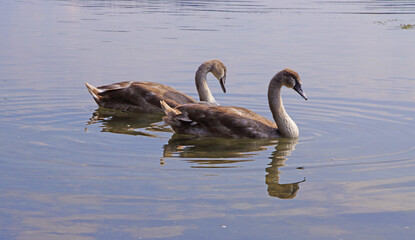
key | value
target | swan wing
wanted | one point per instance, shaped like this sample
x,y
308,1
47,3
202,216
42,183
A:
x,y
219,121
139,96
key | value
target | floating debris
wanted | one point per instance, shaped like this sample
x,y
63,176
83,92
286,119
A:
x,y
407,26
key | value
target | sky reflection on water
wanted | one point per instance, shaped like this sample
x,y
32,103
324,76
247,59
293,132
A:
x,y
72,171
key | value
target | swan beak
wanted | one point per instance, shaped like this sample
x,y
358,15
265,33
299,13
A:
x,y
298,89
222,83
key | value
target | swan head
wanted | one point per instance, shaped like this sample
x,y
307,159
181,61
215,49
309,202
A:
x,y
291,79
219,71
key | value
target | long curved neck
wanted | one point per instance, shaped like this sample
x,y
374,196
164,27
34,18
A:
x,y
286,126
201,83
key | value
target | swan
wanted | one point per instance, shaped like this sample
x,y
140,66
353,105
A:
x,y
144,97
235,122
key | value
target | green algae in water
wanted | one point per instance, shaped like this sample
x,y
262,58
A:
x,y
407,26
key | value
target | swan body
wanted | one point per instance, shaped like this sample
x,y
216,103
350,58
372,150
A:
x,y
144,97
236,122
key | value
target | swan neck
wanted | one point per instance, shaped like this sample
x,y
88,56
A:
x,y
201,83
286,126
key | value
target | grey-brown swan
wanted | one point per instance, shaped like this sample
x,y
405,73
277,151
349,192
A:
x,y
144,97
236,122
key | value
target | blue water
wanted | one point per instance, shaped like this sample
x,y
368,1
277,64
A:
x,y
69,170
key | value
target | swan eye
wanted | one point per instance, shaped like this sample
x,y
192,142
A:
x,y
296,81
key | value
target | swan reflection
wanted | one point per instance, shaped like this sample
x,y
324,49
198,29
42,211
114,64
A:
x,y
186,146
278,158
205,152
227,153
128,123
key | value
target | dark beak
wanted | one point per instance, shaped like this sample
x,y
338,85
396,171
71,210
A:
x,y
222,83
298,89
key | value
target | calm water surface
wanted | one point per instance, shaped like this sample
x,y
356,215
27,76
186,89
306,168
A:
x,y
69,170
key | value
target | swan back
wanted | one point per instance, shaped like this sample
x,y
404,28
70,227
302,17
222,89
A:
x,y
141,97
219,121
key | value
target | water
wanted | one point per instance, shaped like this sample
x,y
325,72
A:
x,y
71,171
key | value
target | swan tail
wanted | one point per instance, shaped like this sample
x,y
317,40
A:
x,y
93,91
167,109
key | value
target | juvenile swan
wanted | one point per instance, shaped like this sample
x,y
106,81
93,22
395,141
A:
x,y
144,97
236,122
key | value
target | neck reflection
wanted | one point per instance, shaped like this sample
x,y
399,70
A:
x,y
231,153
278,158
